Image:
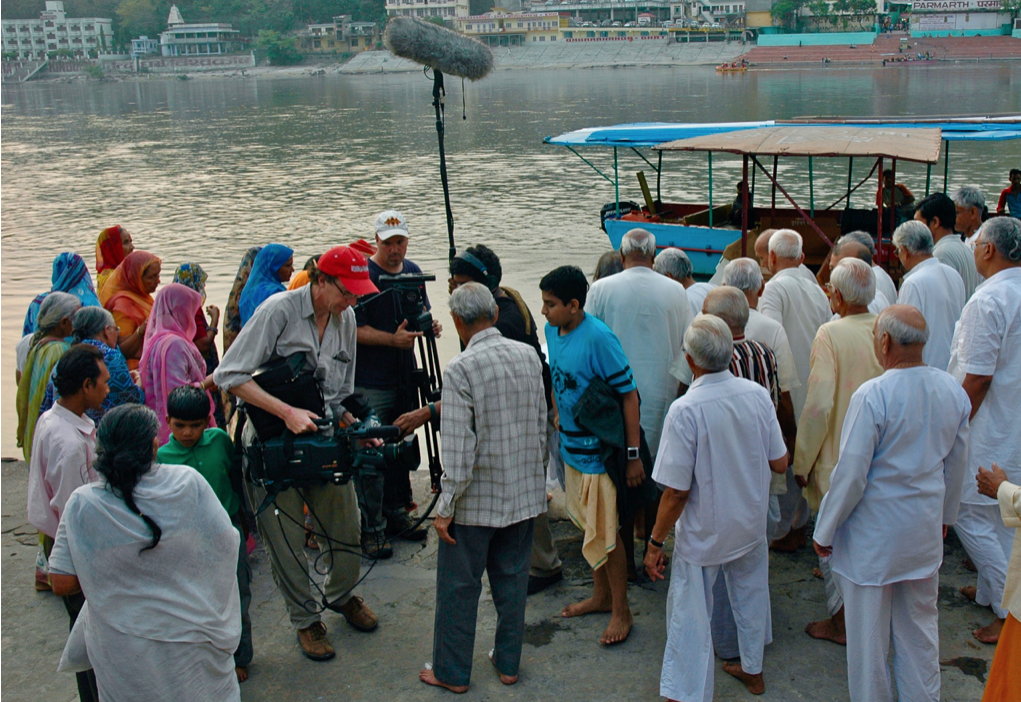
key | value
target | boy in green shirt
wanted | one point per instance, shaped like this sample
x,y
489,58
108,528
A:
x,y
210,452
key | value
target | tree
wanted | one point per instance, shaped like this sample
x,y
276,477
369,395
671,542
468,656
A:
x,y
787,13
140,17
1013,7
280,50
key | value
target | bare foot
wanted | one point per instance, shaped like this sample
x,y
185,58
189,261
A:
x,y
969,565
970,592
618,630
827,630
505,679
426,675
989,634
588,606
755,684
817,573
242,673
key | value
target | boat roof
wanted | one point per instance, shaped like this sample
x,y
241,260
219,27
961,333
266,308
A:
x,y
921,145
646,134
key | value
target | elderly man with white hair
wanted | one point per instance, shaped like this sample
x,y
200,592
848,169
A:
x,y
884,283
842,359
895,488
649,313
852,248
675,264
494,485
721,441
796,301
986,359
970,204
934,288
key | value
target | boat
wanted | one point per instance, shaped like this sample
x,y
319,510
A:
x,y
732,67
705,230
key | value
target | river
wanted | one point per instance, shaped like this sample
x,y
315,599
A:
x,y
200,170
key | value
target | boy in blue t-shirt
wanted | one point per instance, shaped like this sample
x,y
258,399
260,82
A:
x,y
581,348
210,452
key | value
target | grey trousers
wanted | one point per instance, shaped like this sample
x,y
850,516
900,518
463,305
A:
x,y
334,512
382,493
244,652
503,554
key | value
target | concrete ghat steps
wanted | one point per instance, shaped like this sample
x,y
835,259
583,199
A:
x,y
887,47
571,55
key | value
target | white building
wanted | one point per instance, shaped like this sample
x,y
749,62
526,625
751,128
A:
x,y
200,39
54,31
144,46
447,9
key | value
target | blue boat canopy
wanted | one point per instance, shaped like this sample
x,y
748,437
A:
x,y
647,134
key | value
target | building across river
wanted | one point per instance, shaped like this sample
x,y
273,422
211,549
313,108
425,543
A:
x,y
55,31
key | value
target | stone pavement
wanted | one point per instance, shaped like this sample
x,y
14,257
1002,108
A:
x,y
562,658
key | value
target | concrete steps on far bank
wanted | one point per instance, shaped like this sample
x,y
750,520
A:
x,y
571,55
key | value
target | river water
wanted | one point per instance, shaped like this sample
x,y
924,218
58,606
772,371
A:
x,y
200,170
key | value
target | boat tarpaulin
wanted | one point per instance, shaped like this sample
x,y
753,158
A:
x,y
907,144
647,133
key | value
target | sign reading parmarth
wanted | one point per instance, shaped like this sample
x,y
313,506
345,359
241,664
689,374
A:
x,y
954,5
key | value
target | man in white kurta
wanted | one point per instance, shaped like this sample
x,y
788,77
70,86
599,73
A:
x,y
721,441
938,213
933,288
903,454
796,301
649,313
986,359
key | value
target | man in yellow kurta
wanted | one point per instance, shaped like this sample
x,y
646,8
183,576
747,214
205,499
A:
x,y
842,359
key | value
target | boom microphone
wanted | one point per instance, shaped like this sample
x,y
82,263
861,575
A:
x,y
438,48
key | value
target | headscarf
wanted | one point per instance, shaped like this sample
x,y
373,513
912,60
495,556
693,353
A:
x,y
42,357
109,253
171,328
232,326
70,275
264,280
192,276
124,291
299,280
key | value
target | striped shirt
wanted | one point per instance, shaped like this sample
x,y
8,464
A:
x,y
755,362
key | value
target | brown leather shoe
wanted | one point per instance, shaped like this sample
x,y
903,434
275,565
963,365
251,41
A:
x,y
358,614
314,643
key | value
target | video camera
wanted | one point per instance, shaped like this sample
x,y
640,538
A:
x,y
408,290
331,455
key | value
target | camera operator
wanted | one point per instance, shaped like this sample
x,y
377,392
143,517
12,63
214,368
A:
x,y
316,320
386,347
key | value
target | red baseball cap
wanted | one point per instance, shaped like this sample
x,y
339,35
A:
x,y
350,268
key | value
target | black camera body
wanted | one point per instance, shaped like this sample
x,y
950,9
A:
x,y
331,455
409,292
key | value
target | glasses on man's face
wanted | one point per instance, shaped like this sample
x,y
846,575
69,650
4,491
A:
x,y
344,292
115,328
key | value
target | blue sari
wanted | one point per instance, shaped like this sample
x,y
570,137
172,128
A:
x,y
70,275
264,280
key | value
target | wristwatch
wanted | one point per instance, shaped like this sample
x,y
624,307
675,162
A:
x,y
632,453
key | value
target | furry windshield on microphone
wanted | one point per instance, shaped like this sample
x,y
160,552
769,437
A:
x,y
438,48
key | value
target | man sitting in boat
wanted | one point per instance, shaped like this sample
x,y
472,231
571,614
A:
x,y
895,195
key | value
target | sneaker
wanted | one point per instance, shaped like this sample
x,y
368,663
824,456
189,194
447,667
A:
x,y
314,643
376,548
358,614
538,583
400,526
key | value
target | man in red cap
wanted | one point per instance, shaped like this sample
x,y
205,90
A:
x,y
317,321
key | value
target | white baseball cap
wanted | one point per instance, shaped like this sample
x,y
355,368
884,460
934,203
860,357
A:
x,y
391,223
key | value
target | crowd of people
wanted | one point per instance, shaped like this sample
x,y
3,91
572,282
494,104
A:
x,y
723,414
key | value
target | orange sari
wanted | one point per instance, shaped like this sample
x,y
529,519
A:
x,y
109,254
1003,684
125,295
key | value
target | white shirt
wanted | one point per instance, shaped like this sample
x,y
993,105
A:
x,y
937,291
718,440
952,251
768,331
903,454
884,284
649,313
987,341
796,301
696,296
63,449
21,351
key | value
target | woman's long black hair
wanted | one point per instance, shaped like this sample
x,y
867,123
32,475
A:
x,y
124,453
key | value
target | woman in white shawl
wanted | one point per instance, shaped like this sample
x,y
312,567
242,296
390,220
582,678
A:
x,y
154,553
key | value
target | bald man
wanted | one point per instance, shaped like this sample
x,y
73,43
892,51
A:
x,y
904,452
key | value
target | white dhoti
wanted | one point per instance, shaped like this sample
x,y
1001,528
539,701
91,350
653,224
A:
x,y
688,661
902,613
772,518
794,511
988,543
833,599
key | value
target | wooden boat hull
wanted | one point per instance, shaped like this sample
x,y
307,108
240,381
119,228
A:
x,y
704,245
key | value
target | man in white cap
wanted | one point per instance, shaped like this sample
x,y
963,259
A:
x,y
385,348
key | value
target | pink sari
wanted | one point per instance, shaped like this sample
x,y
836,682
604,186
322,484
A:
x,y
170,358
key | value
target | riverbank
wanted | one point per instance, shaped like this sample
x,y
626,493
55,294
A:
x,y
562,658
